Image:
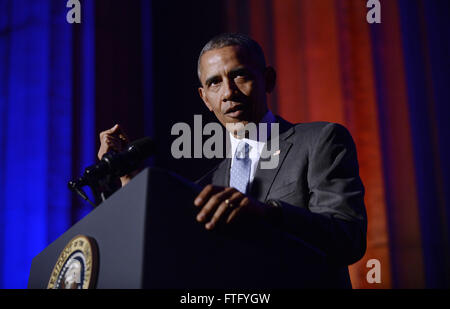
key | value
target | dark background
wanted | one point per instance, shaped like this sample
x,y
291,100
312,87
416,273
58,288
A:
x,y
177,38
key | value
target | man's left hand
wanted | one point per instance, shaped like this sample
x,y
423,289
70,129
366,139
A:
x,y
223,205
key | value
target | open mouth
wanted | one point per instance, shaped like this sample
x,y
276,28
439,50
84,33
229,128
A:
x,y
235,111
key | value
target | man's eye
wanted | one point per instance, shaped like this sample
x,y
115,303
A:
x,y
242,78
214,83
242,75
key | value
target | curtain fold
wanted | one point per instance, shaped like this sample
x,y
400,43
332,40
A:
x,y
36,147
384,82
46,128
61,84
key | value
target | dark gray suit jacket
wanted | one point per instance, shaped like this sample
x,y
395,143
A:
x,y
317,184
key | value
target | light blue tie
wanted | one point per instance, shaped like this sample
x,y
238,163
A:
x,y
240,171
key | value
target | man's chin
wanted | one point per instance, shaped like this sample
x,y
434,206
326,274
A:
x,y
237,128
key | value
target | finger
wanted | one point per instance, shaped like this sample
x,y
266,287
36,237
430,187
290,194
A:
x,y
123,136
108,132
120,133
234,213
213,202
224,208
114,129
124,141
111,139
220,211
114,146
204,195
112,142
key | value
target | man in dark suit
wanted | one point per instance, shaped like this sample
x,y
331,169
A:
x,y
313,195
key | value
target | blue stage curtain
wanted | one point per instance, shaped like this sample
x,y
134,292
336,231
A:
x,y
37,148
425,40
84,103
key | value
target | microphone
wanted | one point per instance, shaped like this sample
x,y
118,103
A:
x,y
116,164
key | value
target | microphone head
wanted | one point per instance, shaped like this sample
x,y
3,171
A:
x,y
117,164
144,148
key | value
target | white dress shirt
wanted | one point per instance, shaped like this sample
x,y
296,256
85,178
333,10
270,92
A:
x,y
256,147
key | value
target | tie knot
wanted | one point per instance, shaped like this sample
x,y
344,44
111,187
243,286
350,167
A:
x,y
242,150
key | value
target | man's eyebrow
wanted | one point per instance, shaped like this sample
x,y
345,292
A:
x,y
239,70
209,80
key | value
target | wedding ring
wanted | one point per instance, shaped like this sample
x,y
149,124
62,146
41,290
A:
x,y
228,203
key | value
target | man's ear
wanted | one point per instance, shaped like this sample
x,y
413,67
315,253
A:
x,y
270,76
201,92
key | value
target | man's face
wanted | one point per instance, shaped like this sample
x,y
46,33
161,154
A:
x,y
233,86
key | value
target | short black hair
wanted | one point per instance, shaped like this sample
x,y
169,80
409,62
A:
x,y
234,39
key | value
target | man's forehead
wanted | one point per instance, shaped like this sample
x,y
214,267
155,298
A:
x,y
221,58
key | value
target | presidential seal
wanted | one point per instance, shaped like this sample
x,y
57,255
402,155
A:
x,y
76,267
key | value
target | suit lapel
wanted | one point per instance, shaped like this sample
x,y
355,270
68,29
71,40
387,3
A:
x,y
264,178
222,175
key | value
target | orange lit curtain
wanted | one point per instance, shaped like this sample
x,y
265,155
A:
x,y
387,83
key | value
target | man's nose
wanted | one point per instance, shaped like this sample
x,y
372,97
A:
x,y
229,90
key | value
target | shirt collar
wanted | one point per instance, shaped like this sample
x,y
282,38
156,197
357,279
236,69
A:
x,y
258,146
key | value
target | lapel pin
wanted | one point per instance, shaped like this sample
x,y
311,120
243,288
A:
x,y
276,153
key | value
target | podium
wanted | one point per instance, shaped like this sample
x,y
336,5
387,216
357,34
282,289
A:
x,y
146,236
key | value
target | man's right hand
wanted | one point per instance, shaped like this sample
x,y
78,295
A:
x,y
114,139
